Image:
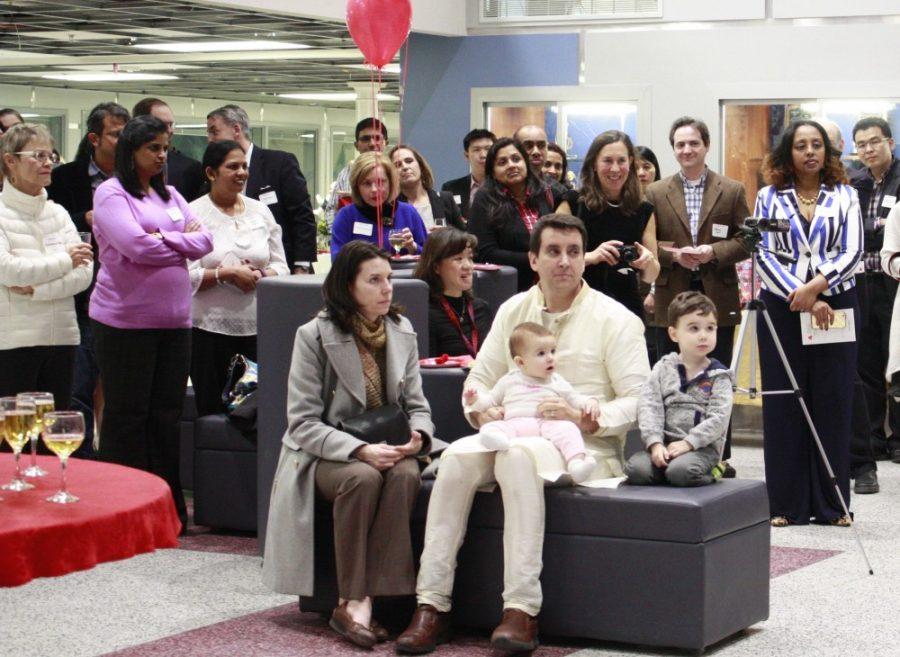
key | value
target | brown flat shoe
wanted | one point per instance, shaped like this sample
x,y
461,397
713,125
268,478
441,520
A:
x,y
427,629
779,521
517,632
357,634
380,631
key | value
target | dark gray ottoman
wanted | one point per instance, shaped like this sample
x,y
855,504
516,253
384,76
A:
x,y
224,475
679,568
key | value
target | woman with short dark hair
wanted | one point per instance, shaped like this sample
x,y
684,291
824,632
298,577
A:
x,y
247,246
141,305
358,354
506,208
647,166
621,228
457,321
808,271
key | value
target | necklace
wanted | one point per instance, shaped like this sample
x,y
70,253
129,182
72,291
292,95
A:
x,y
614,205
805,200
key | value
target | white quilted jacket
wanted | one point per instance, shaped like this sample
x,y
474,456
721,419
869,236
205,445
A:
x,y
34,237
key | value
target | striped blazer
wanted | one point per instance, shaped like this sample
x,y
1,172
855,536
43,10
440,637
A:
x,y
833,246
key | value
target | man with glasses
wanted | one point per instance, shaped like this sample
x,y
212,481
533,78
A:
x,y
72,185
275,179
371,135
878,186
476,145
182,172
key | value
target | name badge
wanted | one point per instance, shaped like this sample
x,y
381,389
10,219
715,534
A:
x,y
175,214
362,228
269,198
54,244
457,199
860,268
888,201
720,231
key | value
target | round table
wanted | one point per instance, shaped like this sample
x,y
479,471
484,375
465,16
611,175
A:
x,y
122,512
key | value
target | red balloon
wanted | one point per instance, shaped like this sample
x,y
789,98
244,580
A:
x,y
379,27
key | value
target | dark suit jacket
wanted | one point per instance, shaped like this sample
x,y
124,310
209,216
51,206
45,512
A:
x,y
460,187
442,207
185,174
70,187
279,172
724,204
873,238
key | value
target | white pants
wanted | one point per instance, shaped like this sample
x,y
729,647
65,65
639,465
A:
x,y
459,477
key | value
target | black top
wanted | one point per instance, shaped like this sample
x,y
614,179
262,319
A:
x,y
620,281
460,187
443,338
442,207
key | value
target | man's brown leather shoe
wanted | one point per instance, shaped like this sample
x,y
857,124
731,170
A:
x,y
516,632
427,629
342,623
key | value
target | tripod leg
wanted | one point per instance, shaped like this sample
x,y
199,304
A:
x,y
748,317
815,433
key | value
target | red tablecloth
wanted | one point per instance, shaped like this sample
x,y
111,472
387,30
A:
x,y
122,512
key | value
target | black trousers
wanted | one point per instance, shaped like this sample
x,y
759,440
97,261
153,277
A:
x,y
144,373
797,481
723,353
210,355
38,369
873,357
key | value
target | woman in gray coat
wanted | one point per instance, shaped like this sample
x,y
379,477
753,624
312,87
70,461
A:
x,y
357,354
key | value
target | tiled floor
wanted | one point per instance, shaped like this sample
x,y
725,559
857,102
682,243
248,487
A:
x,y
206,599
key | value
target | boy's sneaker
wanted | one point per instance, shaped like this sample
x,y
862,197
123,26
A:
x,y
718,470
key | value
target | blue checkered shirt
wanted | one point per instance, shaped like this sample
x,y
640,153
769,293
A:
x,y
693,199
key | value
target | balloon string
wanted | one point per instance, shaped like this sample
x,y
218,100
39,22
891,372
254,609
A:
x,y
379,198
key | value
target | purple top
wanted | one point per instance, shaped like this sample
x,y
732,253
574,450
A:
x,y
143,282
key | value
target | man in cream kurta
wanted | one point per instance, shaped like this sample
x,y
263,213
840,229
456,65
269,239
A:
x,y
601,352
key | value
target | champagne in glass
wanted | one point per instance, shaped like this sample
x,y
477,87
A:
x,y
43,402
63,434
395,237
18,423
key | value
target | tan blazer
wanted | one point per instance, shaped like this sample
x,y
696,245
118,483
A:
x,y
325,386
724,204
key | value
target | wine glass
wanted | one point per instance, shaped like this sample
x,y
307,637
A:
x,y
84,236
18,423
395,237
63,434
43,403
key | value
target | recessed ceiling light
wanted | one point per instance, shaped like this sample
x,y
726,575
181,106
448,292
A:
x,y
220,46
336,96
106,77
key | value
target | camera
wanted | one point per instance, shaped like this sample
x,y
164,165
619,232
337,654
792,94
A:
x,y
627,254
768,225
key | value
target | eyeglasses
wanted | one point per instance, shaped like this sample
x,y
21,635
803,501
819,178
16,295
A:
x,y
872,143
41,156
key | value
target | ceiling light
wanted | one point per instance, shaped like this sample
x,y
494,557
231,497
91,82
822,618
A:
x,y
336,96
30,116
305,135
393,69
220,46
106,77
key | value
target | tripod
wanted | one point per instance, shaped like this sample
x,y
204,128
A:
x,y
747,336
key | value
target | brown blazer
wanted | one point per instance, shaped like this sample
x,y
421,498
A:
x,y
724,204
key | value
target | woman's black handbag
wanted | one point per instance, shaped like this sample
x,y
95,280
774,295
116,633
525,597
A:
x,y
386,424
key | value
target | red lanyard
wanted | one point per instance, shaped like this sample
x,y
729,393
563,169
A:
x,y
471,345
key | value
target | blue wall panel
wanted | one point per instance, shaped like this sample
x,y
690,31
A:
x,y
442,71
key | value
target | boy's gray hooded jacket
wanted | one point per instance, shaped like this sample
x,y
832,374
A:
x,y
698,411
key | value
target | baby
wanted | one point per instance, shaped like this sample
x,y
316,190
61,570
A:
x,y
521,391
